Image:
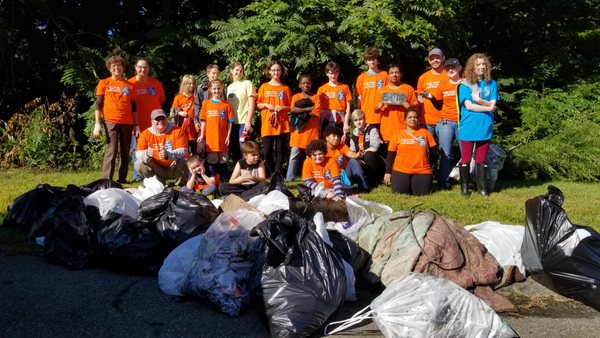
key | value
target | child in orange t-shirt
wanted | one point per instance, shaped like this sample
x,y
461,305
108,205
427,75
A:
x,y
216,117
408,151
321,173
367,85
199,178
182,110
274,101
333,101
305,125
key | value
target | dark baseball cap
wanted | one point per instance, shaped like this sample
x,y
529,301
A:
x,y
452,62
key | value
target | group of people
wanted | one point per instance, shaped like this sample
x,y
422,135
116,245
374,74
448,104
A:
x,y
395,140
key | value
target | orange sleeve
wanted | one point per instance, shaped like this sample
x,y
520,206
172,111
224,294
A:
x,y
179,139
334,169
307,168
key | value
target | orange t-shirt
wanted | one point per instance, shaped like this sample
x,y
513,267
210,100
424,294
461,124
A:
x,y
446,91
310,131
333,98
338,154
430,81
392,116
149,95
158,142
186,103
118,95
367,85
323,172
274,95
411,152
217,116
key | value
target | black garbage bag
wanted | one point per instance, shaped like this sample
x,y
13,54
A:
x,y
558,254
127,245
31,210
349,250
178,216
58,215
101,184
300,280
69,240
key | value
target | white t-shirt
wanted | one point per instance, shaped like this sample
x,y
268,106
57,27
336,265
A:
x,y
237,96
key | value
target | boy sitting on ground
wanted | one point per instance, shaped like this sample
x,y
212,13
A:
x,y
321,173
249,172
199,179
347,160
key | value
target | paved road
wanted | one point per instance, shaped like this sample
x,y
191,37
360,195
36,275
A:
x,y
41,299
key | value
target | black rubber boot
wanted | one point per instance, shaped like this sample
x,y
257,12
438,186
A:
x,y
481,179
463,170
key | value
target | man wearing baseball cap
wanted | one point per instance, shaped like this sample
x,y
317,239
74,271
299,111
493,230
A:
x,y
162,150
429,81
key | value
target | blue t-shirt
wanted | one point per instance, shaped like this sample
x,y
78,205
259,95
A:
x,y
476,126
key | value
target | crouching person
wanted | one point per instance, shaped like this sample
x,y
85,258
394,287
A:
x,y
321,173
161,150
199,179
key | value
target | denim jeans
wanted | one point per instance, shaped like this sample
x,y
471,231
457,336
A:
x,y
296,155
447,132
136,175
356,174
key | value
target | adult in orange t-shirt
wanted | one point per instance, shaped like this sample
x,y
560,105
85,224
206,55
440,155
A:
x,y
149,95
116,112
305,125
447,127
407,164
333,100
274,101
367,85
162,150
182,111
216,119
392,114
429,80
318,169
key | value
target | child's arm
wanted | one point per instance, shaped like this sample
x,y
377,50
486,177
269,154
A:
x,y
347,119
202,128
191,181
311,183
228,134
235,176
338,188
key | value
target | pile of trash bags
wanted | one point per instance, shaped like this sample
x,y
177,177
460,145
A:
x,y
101,224
297,259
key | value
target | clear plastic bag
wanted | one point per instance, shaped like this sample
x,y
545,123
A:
x,y
417,305
361,212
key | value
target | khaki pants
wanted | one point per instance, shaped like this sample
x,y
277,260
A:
x,y
177,171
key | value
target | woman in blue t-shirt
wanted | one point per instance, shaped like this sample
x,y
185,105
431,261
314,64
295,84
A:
x,y
477,97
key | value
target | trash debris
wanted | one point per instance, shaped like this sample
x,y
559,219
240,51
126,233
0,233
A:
x,y
299,279
558,254
417,305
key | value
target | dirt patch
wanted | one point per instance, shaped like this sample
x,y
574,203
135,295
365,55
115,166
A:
x,y
553,306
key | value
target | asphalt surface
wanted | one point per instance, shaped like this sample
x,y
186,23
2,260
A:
x,y
40,299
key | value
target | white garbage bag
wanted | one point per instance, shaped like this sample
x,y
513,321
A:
x,y
115,200
151,187
360,212
417,305
502,241
273,201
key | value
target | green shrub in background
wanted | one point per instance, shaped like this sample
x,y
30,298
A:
x,y
46,135
559,134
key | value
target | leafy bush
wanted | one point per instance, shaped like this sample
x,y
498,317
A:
x,y
559,134
44,135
